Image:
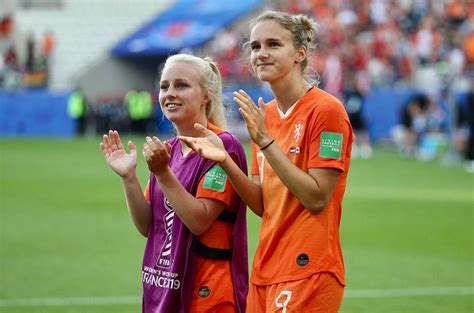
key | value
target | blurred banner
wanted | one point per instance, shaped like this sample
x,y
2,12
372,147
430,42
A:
x,y
187,24
35,114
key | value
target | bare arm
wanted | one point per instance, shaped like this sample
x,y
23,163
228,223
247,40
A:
x,y
138,207
313,188
210,146
249,190
124,164
197,214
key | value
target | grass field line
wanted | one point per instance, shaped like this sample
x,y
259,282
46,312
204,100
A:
x,y
409,292
401,193
361,293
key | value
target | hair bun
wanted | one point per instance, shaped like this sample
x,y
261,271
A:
x,y
309,25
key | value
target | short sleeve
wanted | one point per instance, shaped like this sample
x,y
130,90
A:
x,y
255,149
331,136
146,192
216,185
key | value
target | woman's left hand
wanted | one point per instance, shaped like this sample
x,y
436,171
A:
x,y
156,154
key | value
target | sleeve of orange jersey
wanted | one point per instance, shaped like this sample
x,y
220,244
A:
x,y
224,196
254,170
146,193
331,119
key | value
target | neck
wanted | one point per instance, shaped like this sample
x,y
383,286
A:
x,y
287,94
188,130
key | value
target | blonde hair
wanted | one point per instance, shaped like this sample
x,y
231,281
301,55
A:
x,y
211,82
303,33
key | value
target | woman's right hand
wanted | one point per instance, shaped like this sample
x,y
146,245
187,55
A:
x,y
254,117
208,145
121,162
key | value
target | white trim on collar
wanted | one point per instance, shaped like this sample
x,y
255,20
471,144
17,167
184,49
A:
x,y
290,109
288,112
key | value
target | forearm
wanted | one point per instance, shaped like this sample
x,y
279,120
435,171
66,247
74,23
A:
x,y
303,186
192,211
138,207
250,192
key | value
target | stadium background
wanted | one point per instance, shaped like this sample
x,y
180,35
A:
x,y
67,244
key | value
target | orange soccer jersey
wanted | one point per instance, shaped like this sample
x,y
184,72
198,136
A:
x,y
295,244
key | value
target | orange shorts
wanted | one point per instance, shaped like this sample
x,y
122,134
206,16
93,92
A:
x,y
213,290
320,293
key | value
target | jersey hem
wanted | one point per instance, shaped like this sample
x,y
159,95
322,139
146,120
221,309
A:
x,y
288,278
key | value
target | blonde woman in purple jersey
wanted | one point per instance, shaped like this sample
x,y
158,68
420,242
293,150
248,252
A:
x,y
195,257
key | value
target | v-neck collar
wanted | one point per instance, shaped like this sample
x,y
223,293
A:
x,y
290,109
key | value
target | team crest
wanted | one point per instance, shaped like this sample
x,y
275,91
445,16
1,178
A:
x,y
298,130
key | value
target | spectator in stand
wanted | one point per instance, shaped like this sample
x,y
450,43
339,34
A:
x,y
48,43
6,25
465,129
10,74
469,156
77,110
413,123
354,103
102,110
139,104
422,129
30,65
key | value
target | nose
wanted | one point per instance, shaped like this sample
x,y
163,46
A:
x,y
169,92
262,53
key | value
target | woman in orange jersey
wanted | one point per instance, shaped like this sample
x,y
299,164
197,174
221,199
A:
x,y
301,146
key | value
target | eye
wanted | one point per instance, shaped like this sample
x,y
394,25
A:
x,y
163,86
181,86
274,44
254,47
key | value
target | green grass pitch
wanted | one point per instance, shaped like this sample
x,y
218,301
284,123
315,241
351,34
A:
x,y
67,243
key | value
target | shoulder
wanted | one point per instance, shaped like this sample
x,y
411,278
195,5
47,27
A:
x,y
234,147
323,103
324,98
229,139
172,141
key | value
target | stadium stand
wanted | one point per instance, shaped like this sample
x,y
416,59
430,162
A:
x,y
394,49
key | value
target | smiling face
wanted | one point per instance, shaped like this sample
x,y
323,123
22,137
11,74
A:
x,y
273,55
182,98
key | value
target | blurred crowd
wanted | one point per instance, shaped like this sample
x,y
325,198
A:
x,y
133,112
30,67
378,42
426,45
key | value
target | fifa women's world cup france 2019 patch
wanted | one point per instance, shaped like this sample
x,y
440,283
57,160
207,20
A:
x,y
215,179
331,145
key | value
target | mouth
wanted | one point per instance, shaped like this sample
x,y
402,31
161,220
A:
x,y
264,64
172,105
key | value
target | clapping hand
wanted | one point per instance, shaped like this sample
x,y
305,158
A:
x,y
253,116
208,145
121,162
156,154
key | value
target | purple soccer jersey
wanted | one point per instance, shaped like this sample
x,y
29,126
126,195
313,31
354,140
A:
x,y
169,264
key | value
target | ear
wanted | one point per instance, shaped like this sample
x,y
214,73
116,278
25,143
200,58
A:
x,y
206,98
300,55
